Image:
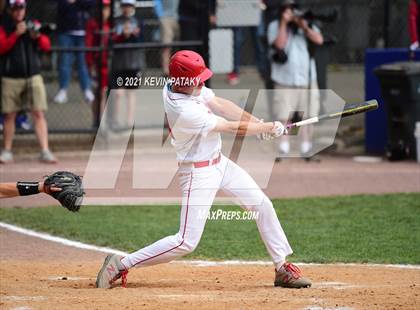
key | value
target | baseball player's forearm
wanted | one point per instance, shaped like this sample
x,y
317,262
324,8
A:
x,y
13,189
229,110
243,128
8,190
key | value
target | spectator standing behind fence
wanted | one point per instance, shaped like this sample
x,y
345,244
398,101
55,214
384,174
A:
x,y
99,37
22,85
126,63
414,23
71,24
21,117
191,14
167,12
295,81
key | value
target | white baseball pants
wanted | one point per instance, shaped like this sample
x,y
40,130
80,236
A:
x,y
199,187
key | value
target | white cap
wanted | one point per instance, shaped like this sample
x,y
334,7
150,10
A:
x,y
128,2
17,3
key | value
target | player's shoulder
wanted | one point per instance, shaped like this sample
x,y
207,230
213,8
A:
x,y
170,96
207,94
174,101
206,89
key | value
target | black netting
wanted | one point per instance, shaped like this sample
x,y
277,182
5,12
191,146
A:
x,y
361,24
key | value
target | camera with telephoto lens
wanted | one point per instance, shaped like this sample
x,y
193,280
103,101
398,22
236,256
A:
x,y
37,27
325,16
34,26
322,15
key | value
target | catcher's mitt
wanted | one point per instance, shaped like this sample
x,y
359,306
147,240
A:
x,y
71,194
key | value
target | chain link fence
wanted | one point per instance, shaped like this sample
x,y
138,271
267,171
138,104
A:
x,y
360,24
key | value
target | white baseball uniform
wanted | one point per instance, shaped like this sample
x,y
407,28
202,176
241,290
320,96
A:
x,y
192,122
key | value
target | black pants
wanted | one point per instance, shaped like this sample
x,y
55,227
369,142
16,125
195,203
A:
x,y
192,30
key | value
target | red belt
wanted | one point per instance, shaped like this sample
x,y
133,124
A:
x,y
205,163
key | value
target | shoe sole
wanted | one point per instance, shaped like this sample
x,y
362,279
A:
x,y
288,286
107,259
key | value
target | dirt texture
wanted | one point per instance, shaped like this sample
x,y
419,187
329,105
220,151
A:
x,y
38,274
71,285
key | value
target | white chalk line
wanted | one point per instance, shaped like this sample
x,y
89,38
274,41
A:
x,y
63,241
198,263
23,298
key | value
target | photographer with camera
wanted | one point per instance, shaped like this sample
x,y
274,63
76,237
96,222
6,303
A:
x,y
292,69
22,85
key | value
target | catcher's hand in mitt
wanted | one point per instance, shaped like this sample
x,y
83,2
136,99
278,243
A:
x,y
71,191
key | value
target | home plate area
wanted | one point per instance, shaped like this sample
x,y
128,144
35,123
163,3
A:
x,y
51,284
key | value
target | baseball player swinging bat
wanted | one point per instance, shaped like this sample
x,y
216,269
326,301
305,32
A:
x,y
196,118
349,109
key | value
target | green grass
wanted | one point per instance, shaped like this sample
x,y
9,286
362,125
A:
x,y
361,228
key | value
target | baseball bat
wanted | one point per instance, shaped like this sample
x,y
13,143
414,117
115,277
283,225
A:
x,y
349,109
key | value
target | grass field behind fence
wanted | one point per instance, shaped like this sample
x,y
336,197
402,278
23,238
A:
x,y
360,228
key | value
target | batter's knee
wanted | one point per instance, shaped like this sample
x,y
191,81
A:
x,y
188,246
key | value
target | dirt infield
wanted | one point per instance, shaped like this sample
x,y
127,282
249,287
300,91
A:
x,y
56,285
38,274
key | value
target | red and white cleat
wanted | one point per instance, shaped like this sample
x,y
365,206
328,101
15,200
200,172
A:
x,y
289,276
111,271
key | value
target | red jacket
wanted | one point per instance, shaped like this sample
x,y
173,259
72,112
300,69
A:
x,y
92,39
20,55
413,21
7,42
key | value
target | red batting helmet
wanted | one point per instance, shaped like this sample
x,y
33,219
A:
x,y
189,64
